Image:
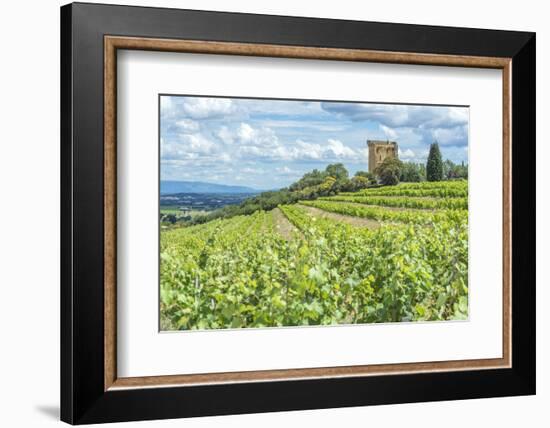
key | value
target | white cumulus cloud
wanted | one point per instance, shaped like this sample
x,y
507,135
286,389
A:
x,y
188,125
197,143
203,108
391,115
260,137
406,154
388,132
339,150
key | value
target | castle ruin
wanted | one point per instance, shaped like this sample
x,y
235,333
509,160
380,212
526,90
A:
x,y
379,151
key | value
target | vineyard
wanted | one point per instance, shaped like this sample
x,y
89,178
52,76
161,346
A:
x,y
292,266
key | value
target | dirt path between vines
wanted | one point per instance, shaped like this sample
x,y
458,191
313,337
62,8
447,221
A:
x,y
285,228
386,207
354,221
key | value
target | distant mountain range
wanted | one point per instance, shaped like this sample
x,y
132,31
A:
x,y
170,187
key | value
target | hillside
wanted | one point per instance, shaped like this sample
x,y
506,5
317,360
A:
x,y
381,254
171,187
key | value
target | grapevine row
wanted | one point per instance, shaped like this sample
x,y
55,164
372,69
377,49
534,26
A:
x,y
457,184
240,272
418,203
382,214
399,191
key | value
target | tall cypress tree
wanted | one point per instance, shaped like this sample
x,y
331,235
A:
x,y
434,167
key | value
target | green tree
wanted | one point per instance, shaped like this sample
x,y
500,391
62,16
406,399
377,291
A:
x,y
389,171
338,171
312,178
453,171
359,182
365,174
461,171
434,166
449,169
412,172
326,188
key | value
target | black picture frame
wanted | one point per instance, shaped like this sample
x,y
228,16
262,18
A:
x,y
83,398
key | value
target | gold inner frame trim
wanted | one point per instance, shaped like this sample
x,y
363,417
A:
x,y
113,43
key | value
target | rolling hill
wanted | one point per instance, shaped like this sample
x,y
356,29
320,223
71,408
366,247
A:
x,y
170,187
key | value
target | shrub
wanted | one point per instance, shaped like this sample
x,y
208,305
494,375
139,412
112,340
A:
x,y
389,171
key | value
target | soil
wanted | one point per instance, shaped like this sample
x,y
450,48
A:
x,y
285,228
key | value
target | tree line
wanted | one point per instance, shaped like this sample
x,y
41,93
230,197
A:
x,y
335,178
391,171
330,181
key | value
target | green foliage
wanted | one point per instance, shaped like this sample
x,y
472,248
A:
x,y
440,189
327,187
404,202
365,174
384,214
338,171
332,181
389,171
413,172
359,182
434,166
452,171
236,270
240,272
369,176
313,184
395,273
264,201
354,184
313,178
316,177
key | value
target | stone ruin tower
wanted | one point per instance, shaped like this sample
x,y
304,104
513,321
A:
x,y
380,150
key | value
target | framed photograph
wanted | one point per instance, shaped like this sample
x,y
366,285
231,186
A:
x,y
265,213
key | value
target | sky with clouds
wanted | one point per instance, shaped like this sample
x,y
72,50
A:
x,y
269,144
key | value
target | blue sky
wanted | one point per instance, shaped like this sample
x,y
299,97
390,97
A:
x,y
268,144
